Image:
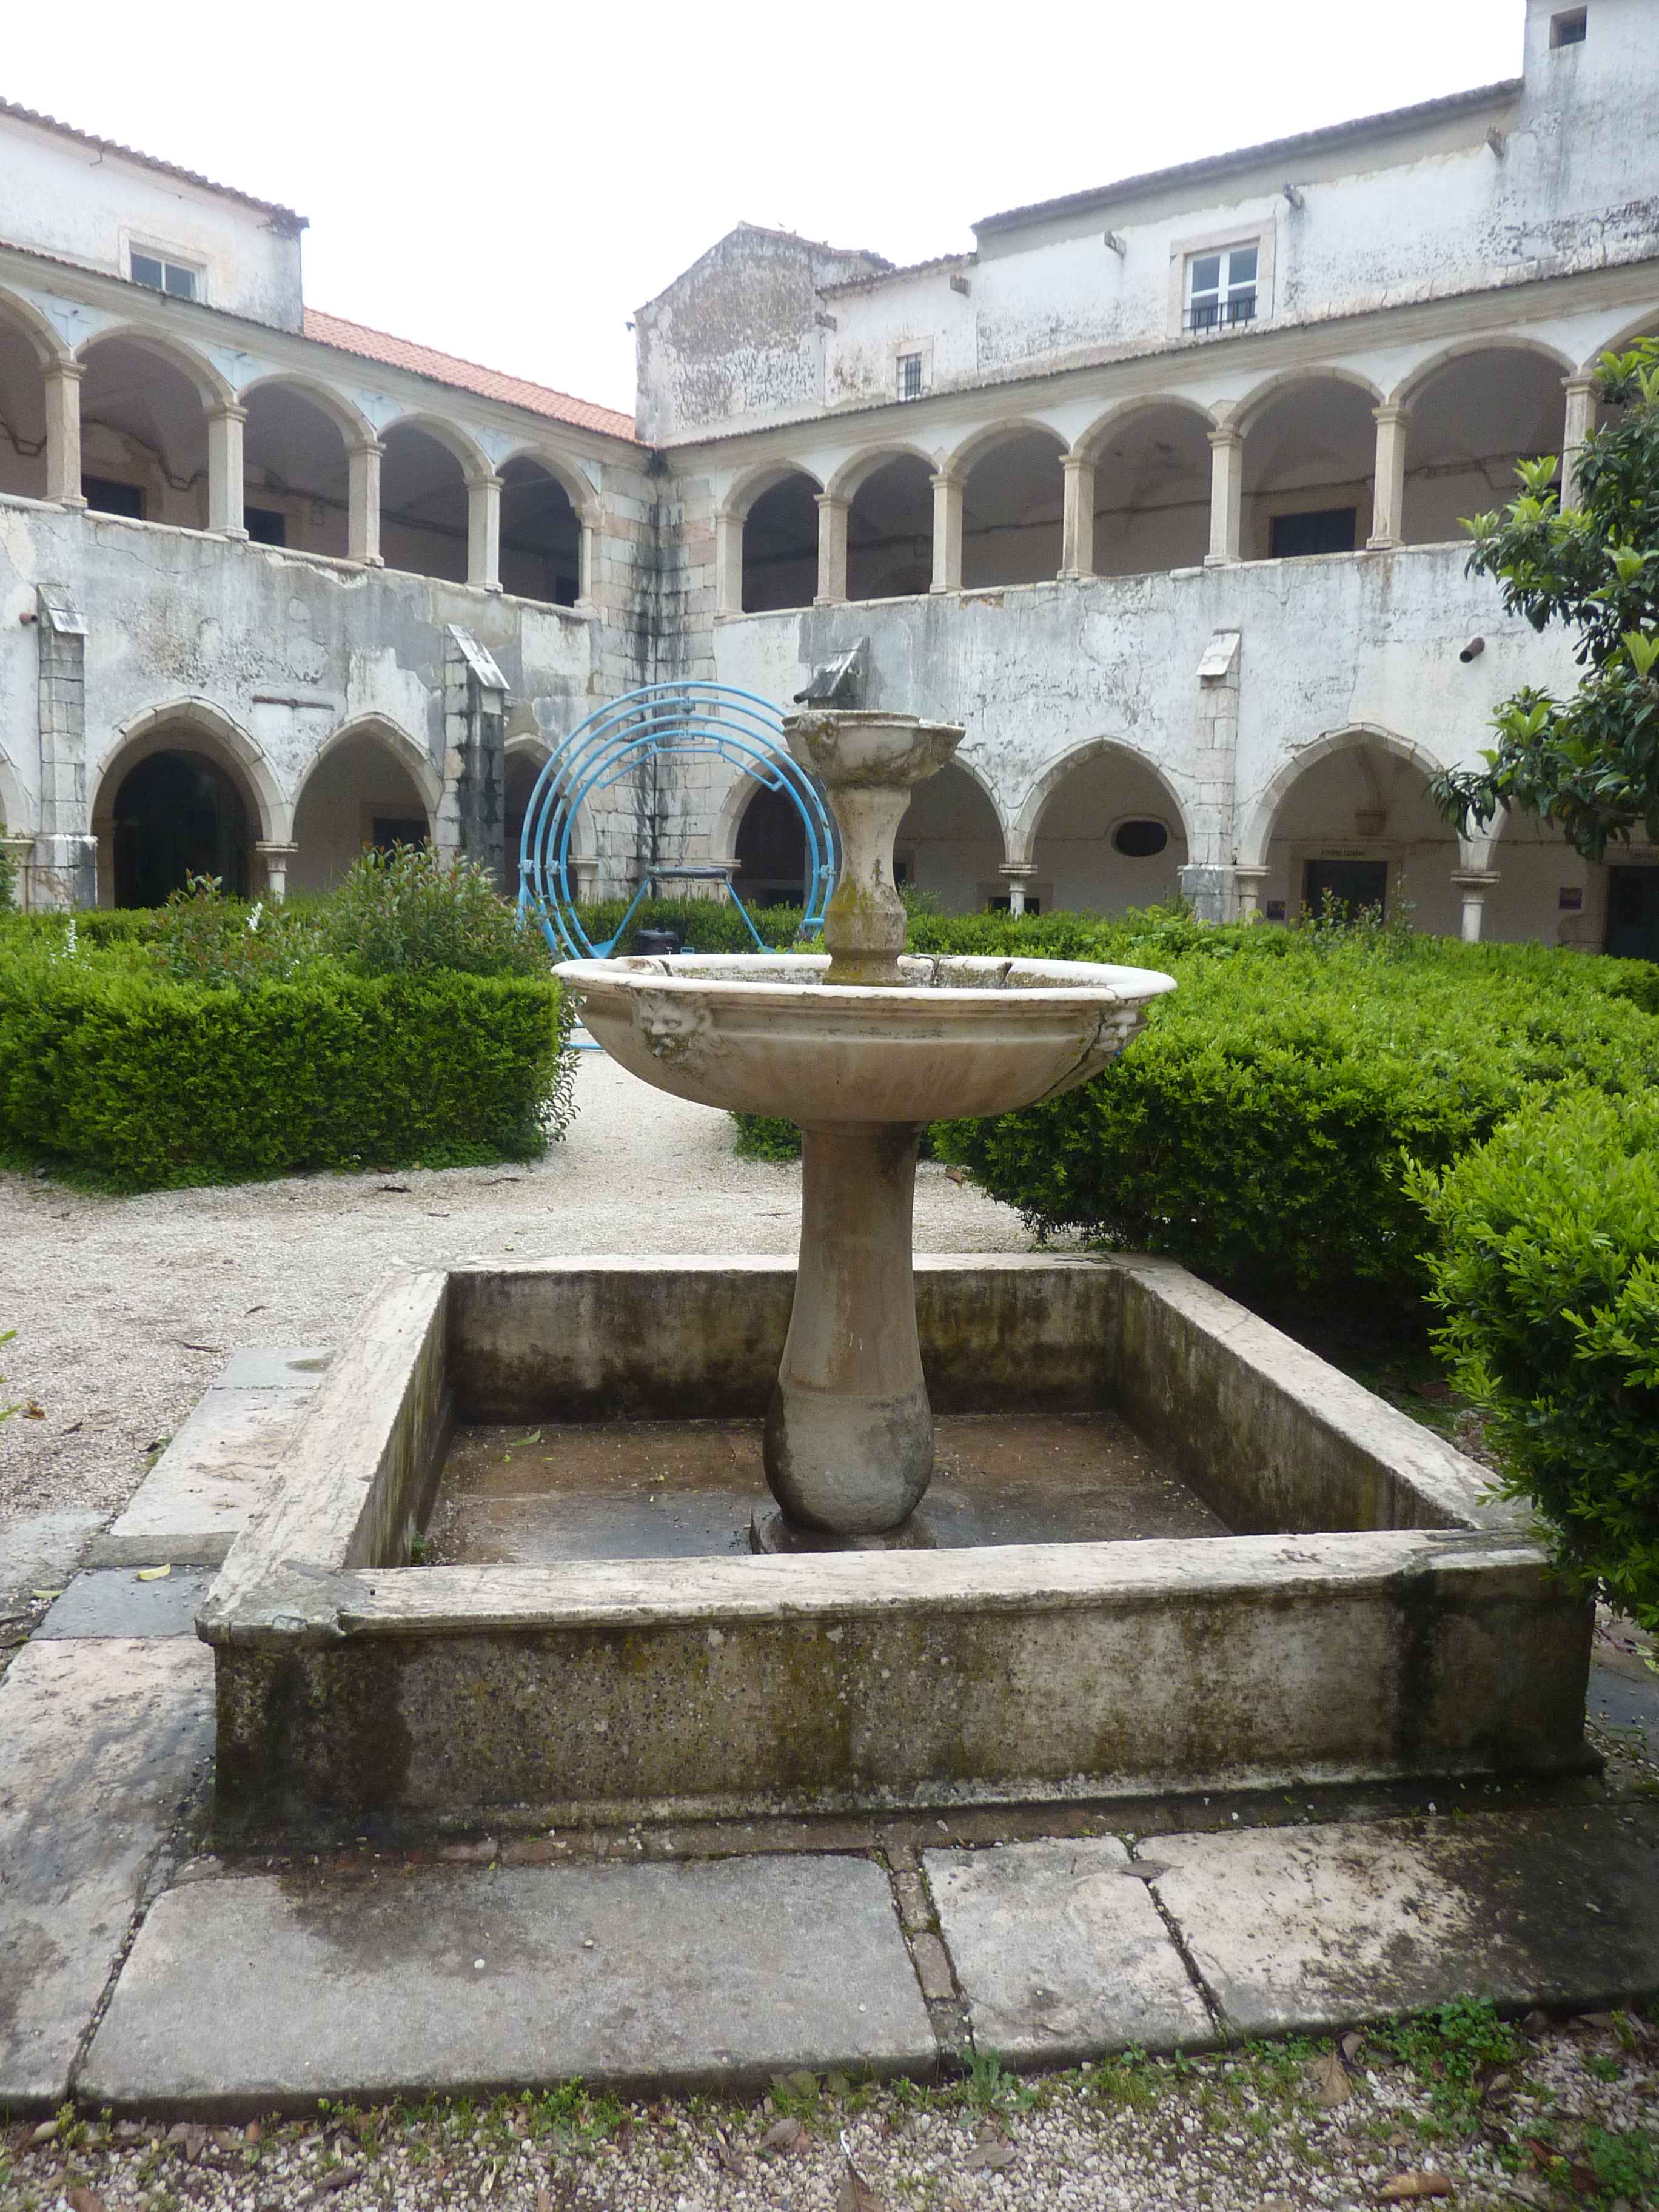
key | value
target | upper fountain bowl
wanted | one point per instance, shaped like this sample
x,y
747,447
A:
x,y
761,1033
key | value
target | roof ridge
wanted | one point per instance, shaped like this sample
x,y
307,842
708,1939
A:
x,y
44,122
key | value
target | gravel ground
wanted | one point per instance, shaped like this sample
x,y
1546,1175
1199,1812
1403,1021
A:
x,y
1547,2115
125,1308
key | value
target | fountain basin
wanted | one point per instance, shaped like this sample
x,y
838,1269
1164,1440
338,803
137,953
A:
x,y
1374,1618
957,1038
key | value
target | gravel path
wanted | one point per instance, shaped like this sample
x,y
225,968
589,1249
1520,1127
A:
x,y
1546,2116
124,1309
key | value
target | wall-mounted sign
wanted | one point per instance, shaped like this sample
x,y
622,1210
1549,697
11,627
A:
x,y
1275,909
1570,899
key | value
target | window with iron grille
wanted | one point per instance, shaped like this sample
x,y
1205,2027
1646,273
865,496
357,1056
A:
x,y
175,276
1221,288
909,376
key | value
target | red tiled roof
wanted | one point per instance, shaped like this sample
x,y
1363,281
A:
x,y
466,375
286,216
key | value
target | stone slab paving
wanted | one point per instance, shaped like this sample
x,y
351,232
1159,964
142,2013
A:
x,y
113,1601
1317,1928
190,1508
99,1742
40,1551
260,1992
1061,1953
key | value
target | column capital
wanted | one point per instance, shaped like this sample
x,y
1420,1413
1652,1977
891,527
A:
x,y
1226,436
1019,869
70,371
831,501
1390,411
1580,383
273,848
1250,875
1474,880
1075,462
227,410
483,480
946,480
366,445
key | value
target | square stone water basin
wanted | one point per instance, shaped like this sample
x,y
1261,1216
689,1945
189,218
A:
x,y
1177,1552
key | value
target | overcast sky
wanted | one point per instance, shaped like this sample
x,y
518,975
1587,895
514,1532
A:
x,y
510,182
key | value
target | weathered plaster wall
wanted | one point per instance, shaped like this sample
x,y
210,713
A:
x,y
78,203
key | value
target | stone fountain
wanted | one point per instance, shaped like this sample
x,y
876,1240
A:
x,y
861,1046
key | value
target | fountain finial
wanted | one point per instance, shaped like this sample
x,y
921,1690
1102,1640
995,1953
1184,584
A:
x,y
868,761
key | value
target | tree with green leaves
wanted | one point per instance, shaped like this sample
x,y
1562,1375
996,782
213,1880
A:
x,y
1589,763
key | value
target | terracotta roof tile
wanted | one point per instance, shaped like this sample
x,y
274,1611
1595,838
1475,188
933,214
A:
x,y
466,375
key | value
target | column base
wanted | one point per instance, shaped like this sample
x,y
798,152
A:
x,y
775,1534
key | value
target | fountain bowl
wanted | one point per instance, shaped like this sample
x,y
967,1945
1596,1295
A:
x,y
957,1038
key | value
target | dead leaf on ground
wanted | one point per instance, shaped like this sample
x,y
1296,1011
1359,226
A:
x,y
1329,2082
544,2202
995,2155
1499,2089
83,2200
856,2194
1349,2045
1419,2184
395,1189
34,1411
783,2135
732,2160
253,2132
1584,2178
342,2177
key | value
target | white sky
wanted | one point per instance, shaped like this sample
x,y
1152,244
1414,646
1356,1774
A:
x,y
511,182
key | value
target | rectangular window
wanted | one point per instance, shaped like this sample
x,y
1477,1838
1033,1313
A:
x,y
1570,27
1327,530
175,276
1349,886
266,525
1221,288
108,497
909,376
389,829
1002,905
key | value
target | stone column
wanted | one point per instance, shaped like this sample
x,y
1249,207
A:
x,y
1474,883
225,471
472,812
363,527
728,562
65,872
483,531
588,569
1389,482
1226,496
1580,421
1018,874
62,381
832,550
947,532
277,857
1077,528
1248,882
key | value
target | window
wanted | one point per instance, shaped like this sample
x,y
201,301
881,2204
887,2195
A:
x,y
1221,288
175,276
1347,887
1569,27
1140,840
266,525
1003,905
1327,530
909,376
388,831
109,497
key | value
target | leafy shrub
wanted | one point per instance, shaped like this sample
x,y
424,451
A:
x,y
405,911
202,937
147,1081
8,872
704,925
1548,1275
1260,1128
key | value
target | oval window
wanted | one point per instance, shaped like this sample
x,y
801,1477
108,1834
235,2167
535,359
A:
x,y
1138,841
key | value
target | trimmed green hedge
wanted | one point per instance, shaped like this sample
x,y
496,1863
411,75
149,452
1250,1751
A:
x,y
147,1081
1549,1275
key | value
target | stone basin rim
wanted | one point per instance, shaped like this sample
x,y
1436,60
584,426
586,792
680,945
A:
x,y
796,980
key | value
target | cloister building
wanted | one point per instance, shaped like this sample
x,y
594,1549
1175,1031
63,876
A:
x,y
1157,490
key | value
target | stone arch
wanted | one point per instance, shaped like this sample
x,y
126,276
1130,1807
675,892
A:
x,y
369,785
1644,326
1422,372
854,473
584,500
1013,498
1472,412
426,474
1244,414
979,442
542,530
211,387
1309,462
352,424
1070,853
1352,736
25,358
1088,444
953,840
50,350
240,794
465,449
764,477
890,529
780,539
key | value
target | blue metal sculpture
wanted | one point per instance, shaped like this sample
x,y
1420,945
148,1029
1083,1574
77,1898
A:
x,y
627,741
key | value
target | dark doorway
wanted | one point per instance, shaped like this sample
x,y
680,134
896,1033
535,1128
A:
x,y
771,852
1633,913
389,829
1349,885
1330,529
177,815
